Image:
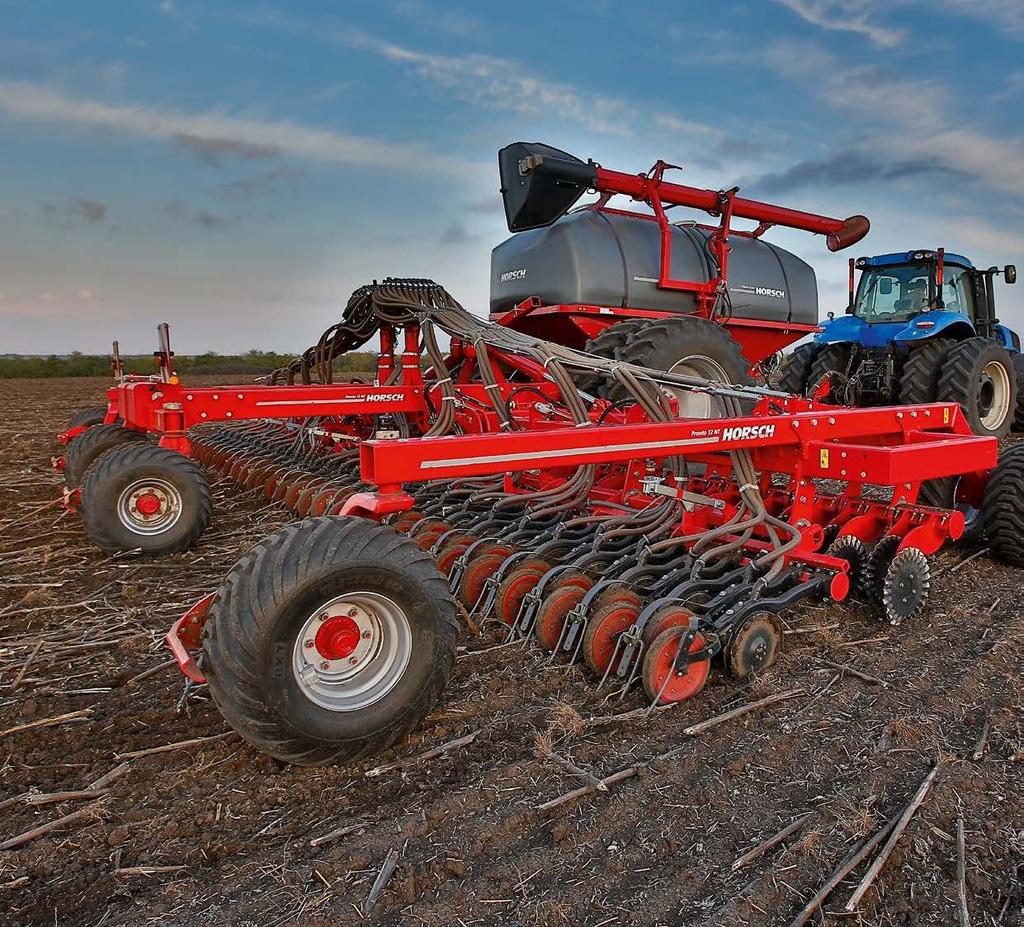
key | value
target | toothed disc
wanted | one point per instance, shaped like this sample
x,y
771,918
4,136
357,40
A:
x,y
907,581
754,645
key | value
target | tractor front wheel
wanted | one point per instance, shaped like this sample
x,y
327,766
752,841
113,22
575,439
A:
x,y
978,373
145,497
330,641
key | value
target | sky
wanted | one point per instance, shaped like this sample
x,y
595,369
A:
x,y
237,169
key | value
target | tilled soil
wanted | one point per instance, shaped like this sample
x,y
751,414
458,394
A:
x,y
214,833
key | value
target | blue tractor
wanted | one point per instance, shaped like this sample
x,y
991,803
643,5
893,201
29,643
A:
x,y
920,327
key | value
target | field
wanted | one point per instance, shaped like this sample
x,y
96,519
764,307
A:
x,y
214,833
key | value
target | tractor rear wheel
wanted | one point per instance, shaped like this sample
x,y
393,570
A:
x,y
608,343
919,382
978,373
795,370
89,445
831,360
330,641
690,346
1003,508
148,497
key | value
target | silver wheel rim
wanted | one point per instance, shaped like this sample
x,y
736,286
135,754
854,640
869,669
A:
x,y
149,506
994,378
697,405
338,678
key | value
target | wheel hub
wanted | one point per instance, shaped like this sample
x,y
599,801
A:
x,y
352,651
149,506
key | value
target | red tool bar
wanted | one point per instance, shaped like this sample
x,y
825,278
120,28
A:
x,y
149,405
393,462
842,232
906,463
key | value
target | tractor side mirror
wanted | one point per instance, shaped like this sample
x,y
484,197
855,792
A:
x,y
539,184
885,286
1010,273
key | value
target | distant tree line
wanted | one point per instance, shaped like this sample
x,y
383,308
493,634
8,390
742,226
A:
x,y
98,365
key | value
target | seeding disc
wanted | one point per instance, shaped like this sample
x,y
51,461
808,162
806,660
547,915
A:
x,y
477,573
551,614
426,532
659,670
572,578
670,616
453,548
404,521
605,625
514,587
754,645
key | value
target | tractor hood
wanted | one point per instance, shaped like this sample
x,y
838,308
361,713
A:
x,y
849,328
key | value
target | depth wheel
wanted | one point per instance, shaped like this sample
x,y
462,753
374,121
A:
x,y
669,616
514,587
479,570
906,585
754,645
662,681
148,497
616,613
547,627
330,641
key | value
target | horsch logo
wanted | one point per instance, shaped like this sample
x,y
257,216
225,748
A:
x,y
748,432
385,397
519,274
768,291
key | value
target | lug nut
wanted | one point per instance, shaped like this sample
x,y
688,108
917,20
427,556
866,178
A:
x,y
353,660
366,635
352,612
325,665
308,644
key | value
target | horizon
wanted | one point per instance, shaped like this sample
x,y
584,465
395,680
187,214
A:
x,y
239,170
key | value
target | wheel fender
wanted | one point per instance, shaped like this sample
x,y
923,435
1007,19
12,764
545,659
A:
x,y
845,328
935,324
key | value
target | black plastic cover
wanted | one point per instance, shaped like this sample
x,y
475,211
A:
x,y
540,184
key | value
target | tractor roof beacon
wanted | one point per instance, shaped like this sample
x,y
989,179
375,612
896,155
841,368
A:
x,y
920,326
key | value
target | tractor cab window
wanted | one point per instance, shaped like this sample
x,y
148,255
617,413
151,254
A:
x,y
892,294
956,291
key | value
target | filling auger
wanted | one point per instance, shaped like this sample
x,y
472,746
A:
x,y
645,511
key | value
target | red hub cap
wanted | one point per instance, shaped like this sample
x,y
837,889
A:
x,y
337,637
148,504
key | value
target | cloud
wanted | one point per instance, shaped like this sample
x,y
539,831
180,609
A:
x,y
43,103
211,151
910,120
77,211
449,22
179,212
845,16
456,233
1006,16
266,183
848,168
